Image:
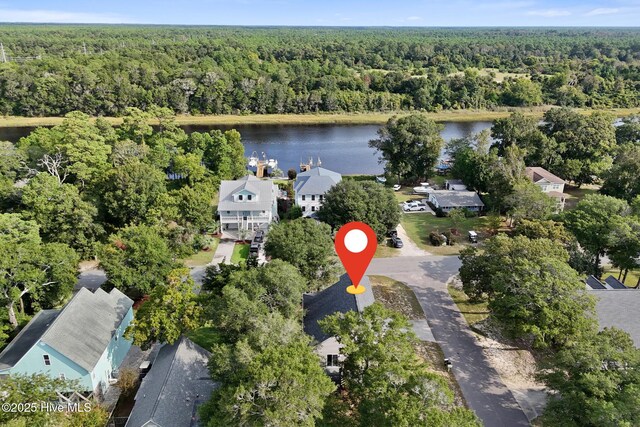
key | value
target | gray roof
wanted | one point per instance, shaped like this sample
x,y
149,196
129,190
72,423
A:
x,y
334,299
619,308
264,189
27,338
177,383
614,283
83,329
594,283
316,181
457,199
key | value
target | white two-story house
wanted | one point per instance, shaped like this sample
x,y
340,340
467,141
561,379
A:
x,y
247,203
550,184
311,186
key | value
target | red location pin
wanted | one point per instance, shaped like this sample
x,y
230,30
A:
x,y
355,245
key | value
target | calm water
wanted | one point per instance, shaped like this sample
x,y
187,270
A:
x,y
342,148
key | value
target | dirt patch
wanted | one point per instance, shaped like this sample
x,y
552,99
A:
x,y
396,296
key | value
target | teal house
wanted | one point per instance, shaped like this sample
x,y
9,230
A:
x,y
83,341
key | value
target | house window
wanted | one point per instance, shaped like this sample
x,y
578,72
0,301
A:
x,y
304,208
228,212
116,337
249,197
321,197
304,197
47,360
240,197
313,197
332,360
244,218
313,208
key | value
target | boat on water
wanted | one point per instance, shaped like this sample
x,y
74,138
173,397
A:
x,y
381,179
272,163
253,160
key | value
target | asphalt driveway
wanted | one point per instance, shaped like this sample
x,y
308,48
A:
x,y
481,385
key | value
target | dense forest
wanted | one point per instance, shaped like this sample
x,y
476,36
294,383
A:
x,y
50,70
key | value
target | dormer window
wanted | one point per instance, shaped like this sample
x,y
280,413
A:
x,y
249,197
240,197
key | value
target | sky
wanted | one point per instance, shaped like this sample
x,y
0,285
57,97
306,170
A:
x,y
429,13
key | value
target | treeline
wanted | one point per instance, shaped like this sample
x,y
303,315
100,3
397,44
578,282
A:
x,y
85,189
220,70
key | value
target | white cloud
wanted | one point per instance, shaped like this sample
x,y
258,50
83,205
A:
x,y
58,16
414,18
550,13
602,11
505,5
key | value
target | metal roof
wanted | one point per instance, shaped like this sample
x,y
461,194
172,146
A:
x,y
265,190
614,283
457,199
316,181
594,283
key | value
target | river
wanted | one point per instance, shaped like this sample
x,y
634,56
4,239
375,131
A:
x,y
342,148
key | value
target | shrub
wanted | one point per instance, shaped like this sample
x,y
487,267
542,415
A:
x,y
468,213
451,238
128,380
292,174
436,238
440,213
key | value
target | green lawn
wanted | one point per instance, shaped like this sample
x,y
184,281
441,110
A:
x,y
419,225
202,257
396,296
632,276
385,250
472,312
205,337
576,194
240,253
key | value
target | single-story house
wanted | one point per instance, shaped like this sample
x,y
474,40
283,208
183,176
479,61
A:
x,y
452,199
176,385
331,300
247,203
619,308
550,184
83,341
311,186
455,184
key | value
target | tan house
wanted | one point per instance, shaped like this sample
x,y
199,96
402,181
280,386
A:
x,y
550,184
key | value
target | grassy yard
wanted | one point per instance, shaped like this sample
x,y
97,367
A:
x,y
632,276
472,312
240,253
385,250
204,337
396,296
576,194
418,226
202,257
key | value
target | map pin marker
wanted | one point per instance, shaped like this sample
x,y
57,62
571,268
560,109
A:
x,y
355,245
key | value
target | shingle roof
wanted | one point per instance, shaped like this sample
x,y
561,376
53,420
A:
x,y
619,308
614,283
176,384
334,299
264,190
316,181
83,329
27,338
457,199
536,174
594,283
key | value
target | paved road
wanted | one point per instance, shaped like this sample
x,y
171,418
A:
x,y
481,385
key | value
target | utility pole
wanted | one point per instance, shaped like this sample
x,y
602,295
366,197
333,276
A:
x,y
3,56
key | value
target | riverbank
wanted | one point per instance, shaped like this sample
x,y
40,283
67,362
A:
x,y
319,119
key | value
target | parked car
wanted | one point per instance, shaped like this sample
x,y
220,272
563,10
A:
x,y
392,233
254,249
259,237
396,187
414,206
396,241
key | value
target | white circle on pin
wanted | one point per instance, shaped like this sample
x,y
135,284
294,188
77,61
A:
x,y
356,241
